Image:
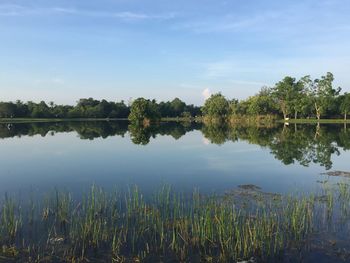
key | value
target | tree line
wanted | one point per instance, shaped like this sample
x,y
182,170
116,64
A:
x,y
289,98
91,108
85,108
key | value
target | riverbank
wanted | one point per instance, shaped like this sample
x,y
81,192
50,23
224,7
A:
x,y
231,120
34,120
315,121
31,120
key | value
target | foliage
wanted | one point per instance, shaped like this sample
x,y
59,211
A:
x,y
321,92
140,134
216,106
91,108
143,110
345,104
303,144
287,94
177,108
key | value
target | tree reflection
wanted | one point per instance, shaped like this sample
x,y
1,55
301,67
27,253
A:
x,y
90,130
85,130
343,139
139,133
305,145
302,144
217,134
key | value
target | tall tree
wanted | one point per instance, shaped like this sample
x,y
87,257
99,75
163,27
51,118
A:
x,y
321,92
234,107
285,93
177,107
216,106
345,105
7,110
298,101
143,110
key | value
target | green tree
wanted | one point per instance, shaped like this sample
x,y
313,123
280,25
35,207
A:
x,y
285,93
302,104
193,110
7,110
119,110
40,110
61,111
21,109
259,104
142,110
266,102
321,92
234,107
177,107
299,101
345,105
253,105
186,115
216,106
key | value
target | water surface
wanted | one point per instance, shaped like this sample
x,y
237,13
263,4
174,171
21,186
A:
x,y
74,155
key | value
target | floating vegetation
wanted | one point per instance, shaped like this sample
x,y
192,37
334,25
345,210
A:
x,y
169,227
338,173
249,187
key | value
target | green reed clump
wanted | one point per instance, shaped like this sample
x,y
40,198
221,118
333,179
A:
x,y
118,227
10,221
344,200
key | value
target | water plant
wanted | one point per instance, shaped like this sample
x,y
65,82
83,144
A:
x,y
169,226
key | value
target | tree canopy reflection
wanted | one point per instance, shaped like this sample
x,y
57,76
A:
x,y
302,144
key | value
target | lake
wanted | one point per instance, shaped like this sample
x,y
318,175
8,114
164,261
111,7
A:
x,y
74,155
233,163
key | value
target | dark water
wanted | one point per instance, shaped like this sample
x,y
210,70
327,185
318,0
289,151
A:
x,y
41,156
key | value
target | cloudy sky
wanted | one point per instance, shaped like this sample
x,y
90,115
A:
x,y
63,50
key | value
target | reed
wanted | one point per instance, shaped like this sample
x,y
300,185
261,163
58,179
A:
x,y
119,227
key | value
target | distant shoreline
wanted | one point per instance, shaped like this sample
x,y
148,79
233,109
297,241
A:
x,y
314,121
180,119
24,120
29,120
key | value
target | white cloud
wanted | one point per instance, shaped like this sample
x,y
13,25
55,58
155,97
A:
x,y
205,141
229,23
206,93
131,16
128,16
10,10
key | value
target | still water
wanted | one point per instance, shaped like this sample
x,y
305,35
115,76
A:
x,y
74,155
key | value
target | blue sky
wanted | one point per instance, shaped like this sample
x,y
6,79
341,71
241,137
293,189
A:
x,y
63,50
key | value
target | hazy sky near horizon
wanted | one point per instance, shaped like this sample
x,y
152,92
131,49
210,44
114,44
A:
x,y
63,50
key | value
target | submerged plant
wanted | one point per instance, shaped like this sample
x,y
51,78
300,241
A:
x,y
121,227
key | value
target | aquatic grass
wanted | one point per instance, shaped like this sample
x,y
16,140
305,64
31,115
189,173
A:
x,y
118,227
10,221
